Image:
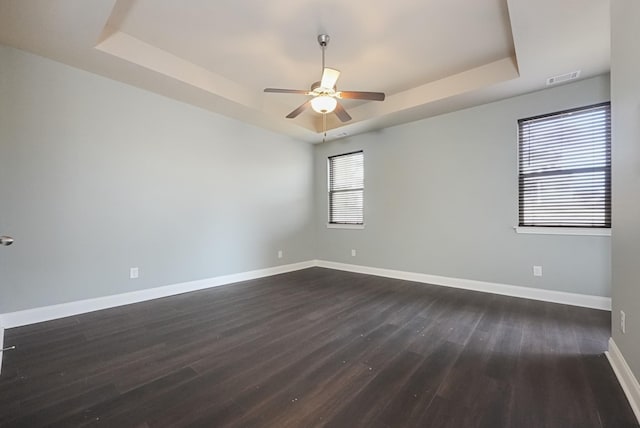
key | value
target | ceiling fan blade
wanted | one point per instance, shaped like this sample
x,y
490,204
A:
x,y
286,91
299,110
356,95
329,78
342,113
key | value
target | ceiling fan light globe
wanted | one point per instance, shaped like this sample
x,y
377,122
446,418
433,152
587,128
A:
x,y
323,104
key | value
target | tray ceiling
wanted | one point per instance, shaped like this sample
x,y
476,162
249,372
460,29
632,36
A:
x,y
429,57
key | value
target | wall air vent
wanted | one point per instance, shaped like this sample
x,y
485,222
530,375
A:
x,y
563,78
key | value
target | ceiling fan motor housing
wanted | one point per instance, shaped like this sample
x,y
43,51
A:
x,y
316,85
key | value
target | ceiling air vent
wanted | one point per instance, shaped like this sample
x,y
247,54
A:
x,y
563,78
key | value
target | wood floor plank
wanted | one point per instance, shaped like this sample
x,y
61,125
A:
x,y
415,395
317,348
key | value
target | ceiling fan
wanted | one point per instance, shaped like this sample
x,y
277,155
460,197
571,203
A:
x,y
324,94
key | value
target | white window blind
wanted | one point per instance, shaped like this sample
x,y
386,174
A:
x,y
565,168
346,188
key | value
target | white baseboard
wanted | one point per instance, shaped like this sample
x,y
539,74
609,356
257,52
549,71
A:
x,y
587,301
625,376
46,313
1,344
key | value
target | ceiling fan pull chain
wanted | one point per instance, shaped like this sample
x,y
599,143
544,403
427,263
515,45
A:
x,y
324,127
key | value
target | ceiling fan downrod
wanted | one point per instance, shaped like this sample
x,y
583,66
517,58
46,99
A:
x,y
323,41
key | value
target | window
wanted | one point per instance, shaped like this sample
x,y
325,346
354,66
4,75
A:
x,y
346,189
565,168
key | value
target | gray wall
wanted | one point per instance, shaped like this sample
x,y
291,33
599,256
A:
x,y
97,176
441,199
625,103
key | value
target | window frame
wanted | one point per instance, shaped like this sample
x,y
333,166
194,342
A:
x,y
562,229
337,225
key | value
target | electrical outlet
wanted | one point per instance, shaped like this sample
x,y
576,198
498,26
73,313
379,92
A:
x,y
134,272
279,254
353,253
623,322
537,270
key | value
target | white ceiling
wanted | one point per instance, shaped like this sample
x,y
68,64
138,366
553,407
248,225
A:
x,y
429,57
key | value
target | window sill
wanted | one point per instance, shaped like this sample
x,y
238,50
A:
x,y
344,226
581,231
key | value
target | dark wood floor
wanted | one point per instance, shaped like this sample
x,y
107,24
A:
x,y
317,348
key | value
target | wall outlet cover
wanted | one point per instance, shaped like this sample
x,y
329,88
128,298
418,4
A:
x,y
537,271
